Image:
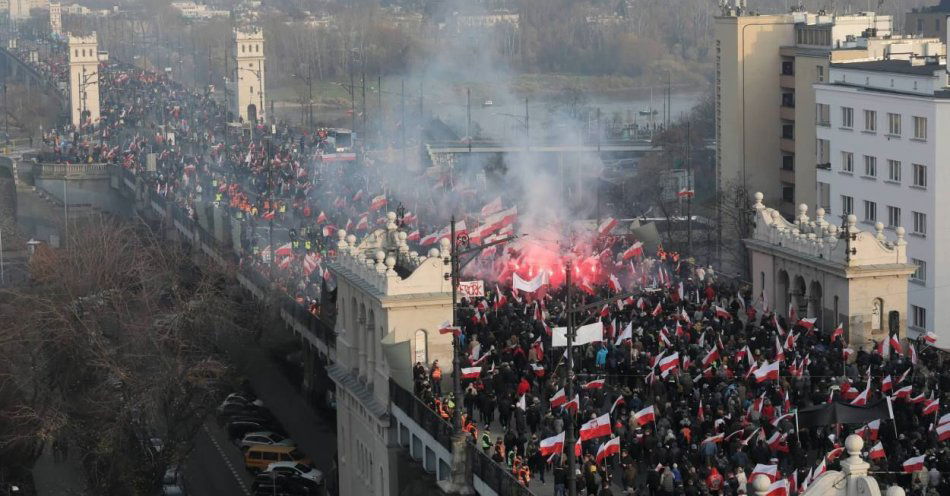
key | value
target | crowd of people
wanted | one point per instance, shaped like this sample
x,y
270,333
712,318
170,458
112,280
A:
x,y
683,368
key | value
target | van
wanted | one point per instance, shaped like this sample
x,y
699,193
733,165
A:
x,y
258,457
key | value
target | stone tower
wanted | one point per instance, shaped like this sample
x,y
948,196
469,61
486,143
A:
x,y
249,75
56,18
83,79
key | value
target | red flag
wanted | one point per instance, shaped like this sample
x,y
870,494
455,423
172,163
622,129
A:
x,y
896,345
595,384
711,357
558,399
635,250
931,406
413,236
611,447
321,218
645,416
839,331
886,384
877,451
607,226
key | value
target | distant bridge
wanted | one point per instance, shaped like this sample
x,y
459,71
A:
x,y
12,67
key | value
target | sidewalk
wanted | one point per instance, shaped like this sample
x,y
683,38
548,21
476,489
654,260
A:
x,y
58,478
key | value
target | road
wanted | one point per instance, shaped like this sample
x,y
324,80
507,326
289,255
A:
x,y
215,466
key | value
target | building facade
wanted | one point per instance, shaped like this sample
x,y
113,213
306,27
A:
x,y
882,160
765,68
390,305
928,21
83,79
840,276
249,76
56,18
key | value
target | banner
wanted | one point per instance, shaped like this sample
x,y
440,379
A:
x,y
590,333
471,289
529,286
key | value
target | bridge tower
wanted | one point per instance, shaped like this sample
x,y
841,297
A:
x,y
56,18
83,79
249,74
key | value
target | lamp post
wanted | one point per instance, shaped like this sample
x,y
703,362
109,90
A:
x,y
309,81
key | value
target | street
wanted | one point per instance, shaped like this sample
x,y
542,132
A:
x,y
215,467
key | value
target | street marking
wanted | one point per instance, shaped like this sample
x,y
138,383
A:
x,y
227,461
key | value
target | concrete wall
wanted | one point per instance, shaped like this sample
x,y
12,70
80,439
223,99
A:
x,y
806,74
97,193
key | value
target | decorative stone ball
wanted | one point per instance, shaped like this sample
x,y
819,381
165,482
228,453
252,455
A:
x,y
853,444
434,253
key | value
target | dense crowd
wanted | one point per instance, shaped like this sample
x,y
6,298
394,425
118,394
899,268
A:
x,y
717,411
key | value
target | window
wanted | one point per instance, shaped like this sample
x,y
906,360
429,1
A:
x,y
893,216
920,316
788,131
894,170
820,71
920,128
788,193
894,124
870,121
920,26
847,161
822,114
921,274
788,162
824,196
920,223
870,211
920,176
847,117
421,347
823,147
847,205
870,166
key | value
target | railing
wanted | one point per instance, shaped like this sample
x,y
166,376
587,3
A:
x,y
422,415
495,475
58,171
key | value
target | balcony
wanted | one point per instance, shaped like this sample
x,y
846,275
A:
x,y
823,166
787,145
786,113
787,81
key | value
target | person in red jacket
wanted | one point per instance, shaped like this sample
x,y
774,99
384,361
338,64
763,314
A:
x,y
523,387
714,481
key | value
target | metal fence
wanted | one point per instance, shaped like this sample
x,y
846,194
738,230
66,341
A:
x,y
421,414
495,475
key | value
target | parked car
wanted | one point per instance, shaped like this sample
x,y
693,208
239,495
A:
x,y
238,429
299,469
265,438
259,457
173,482
276,482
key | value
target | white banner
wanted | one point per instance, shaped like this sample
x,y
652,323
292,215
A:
x,y
590,333
529,286
471,289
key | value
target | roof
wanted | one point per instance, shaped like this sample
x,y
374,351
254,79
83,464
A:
x,y
893,66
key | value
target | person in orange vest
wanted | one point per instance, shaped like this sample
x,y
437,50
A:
x,y
524,475
436,378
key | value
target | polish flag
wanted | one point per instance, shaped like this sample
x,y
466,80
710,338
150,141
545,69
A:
x,y
617,402
558,399
492,207
537,369
552,445
904,375
917,399
578,449
873,428
595,384
846,353
607,226
358,196
862,399
944,420
943,432
645,416
413,236
363,224
611,447
808,323
471,372
884,348
328,230
598,427
912,353
778,488
573,405
931,406
626,334
887,384
777,442
658,310
779,352
722,313
904,392
770,471
321,218
769,371
778,327
711,357
834,454
780,418
670,362
896,345
820,469
635,250
377,203
914,464
713,439
447,328
614,284
930,337
877,451
839,331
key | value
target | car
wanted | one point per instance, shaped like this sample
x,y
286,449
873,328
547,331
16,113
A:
x,y
259,457
173,482
296,468
226,410
237,429
265,438
245,398
275,482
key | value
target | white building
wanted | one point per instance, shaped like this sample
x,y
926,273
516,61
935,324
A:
x,y
390,304
56,18
880,158
249,75
83,79
192,10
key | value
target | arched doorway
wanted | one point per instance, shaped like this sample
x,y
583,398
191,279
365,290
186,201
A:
x,y
782,298
252,113
815,302
798,297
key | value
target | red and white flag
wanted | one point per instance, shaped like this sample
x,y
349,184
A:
x,y
931,406
645,416
471,372
904,392
670,362
711,357
887,384
573,405
377,203
558,399
611,447
595,384
896,345
778,488
808,323
492,207
606,226
552,445
914,464
779,351
839,331
862,399
722,313
770,471
447,328
598,427
877,451
635,250
767,372
912,353
943,432
713,439
945,419
617,402
614,284
657,310
930,337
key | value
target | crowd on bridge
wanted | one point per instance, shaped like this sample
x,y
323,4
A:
x,y
687,384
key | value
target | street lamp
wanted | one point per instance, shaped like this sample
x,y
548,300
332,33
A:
x,y
85,81
309,81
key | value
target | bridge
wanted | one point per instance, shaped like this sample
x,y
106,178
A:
x,y
12,66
